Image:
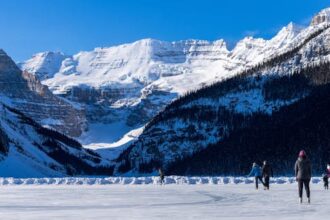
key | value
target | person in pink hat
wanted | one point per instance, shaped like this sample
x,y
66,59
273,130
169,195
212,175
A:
x,y
303,171
326,177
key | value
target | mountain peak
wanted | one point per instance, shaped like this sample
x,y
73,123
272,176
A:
x,y
2,52
6,63
49,53
44,64
321,17
291,29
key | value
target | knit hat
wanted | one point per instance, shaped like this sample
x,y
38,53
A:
x,y
302,153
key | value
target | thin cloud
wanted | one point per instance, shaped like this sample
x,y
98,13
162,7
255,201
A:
x,y
306,21
251,33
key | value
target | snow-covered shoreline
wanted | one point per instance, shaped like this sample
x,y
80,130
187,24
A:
x,y
152,180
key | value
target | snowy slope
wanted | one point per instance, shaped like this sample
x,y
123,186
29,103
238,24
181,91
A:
x,y
29,150
321,17
44,65
27,94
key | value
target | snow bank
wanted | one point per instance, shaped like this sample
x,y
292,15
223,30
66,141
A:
x,y
180,180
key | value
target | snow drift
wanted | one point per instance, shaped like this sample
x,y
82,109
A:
x,y
151,180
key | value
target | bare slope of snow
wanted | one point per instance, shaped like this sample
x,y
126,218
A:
x,y
29,150
44,65
156,202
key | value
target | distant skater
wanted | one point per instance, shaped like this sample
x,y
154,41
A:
x,y
161,176
267,172
303,171
256,172
326,176
326,181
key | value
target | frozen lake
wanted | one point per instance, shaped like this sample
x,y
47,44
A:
x,y
230,201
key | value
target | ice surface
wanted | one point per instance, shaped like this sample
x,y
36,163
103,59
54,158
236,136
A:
x,y
160,202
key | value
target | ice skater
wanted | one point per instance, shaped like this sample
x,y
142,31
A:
x,y
267,172
303,172
161,176
257,173
326,181
326,176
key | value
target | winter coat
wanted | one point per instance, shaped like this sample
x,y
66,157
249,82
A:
x,y
303,169
325,178
161,173
255,171
267,170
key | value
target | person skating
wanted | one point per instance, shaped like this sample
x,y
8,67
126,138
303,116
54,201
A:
x,y
326,181
257,173
161,176
303,172
267,172
326,177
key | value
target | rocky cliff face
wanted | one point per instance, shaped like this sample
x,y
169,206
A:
x,y
24,92
321,17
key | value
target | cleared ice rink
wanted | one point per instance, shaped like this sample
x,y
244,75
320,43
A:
x,y
183,201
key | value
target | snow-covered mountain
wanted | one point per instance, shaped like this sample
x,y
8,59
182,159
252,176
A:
x,y
123,87
27,147
119,89
29,150
263,111
23,91
45,65
321,17
147,63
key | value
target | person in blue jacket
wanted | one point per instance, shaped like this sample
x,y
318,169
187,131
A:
x,y
257,173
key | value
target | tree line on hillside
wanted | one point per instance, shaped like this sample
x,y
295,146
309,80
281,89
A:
x,y
276,138
303,84
218,89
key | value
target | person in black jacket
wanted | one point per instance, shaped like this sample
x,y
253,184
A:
x,y
326,181
303,171
161,176
326,176
267,172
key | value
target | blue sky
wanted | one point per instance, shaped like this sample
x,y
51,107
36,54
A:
x,y
30,26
